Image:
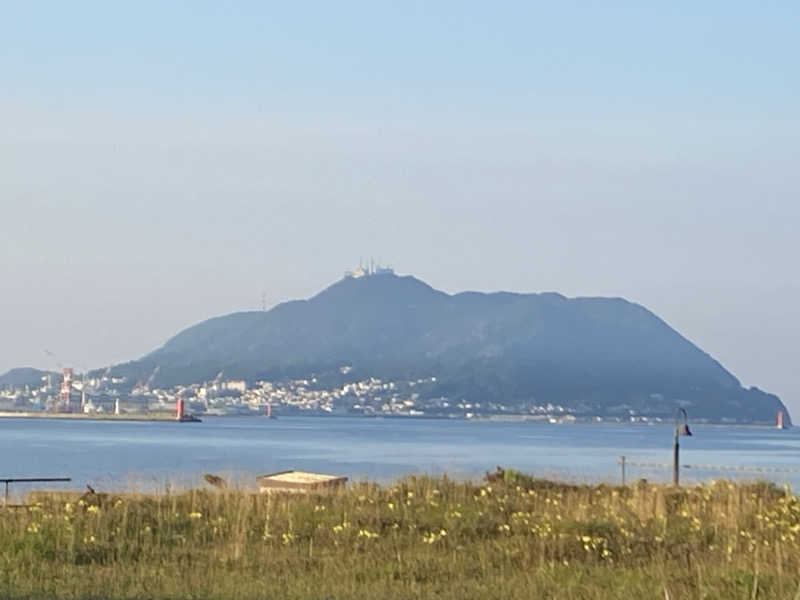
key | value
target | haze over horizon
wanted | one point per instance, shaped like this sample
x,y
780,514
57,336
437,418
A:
x,y
163,164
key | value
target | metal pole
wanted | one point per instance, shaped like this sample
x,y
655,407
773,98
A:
x,y
675,463
622,464
8,480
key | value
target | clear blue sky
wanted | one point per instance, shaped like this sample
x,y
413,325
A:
x,y
161,163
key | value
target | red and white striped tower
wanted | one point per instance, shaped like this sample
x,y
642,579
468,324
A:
x,y
179,409
66,387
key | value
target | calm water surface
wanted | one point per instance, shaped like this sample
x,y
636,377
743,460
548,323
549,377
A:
x,y
144,455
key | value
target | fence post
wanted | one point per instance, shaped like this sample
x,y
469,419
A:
x,y
622,464
676,461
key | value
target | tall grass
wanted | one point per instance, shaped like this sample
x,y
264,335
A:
x,y
419,538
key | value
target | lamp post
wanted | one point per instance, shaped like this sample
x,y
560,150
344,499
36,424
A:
x,y
681,428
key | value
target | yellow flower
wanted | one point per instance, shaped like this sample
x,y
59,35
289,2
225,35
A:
x,y
342,527
433,537
367,533
195,515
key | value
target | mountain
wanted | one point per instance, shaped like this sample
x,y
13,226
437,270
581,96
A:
x,y
603,356
22,376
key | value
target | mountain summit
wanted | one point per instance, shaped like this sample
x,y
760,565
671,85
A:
x,y
592,356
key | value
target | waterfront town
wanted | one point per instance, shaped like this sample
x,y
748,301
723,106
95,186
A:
x,y
106,395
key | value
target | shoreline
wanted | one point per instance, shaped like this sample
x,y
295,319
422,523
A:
x,y
504,419
10,414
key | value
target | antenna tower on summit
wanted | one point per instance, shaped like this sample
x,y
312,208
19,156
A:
x,y
369,270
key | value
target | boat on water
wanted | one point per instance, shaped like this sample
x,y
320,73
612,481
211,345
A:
x,y
189,419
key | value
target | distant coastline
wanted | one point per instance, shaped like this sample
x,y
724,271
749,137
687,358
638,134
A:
x,y
169,417
10,414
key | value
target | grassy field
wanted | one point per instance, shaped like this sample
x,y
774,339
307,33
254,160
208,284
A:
x,y
513,537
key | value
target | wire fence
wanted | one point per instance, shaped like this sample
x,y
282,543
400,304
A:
x,y
624,463
715,467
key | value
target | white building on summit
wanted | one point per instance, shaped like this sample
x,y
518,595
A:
x,y
367,271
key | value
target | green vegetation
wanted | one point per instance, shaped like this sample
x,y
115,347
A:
x,y
592,356
509,537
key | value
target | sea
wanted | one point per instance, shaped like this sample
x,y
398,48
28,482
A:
x,y
158,456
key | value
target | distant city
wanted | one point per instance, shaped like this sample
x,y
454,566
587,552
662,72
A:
x,y
379,344
107,395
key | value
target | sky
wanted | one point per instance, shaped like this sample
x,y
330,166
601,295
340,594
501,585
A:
x,y
162,163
